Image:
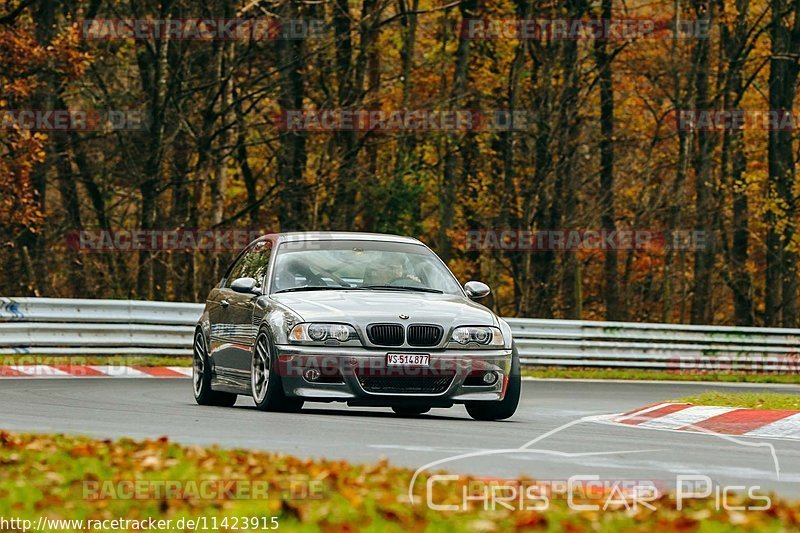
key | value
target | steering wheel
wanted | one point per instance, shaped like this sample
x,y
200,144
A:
x,y
337,279
301,269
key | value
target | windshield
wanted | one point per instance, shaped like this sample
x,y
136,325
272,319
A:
x,y
360,265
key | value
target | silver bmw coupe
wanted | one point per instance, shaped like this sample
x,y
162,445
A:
x,y
367,319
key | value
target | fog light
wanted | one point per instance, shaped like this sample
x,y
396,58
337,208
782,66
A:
x,y
489,378
312,374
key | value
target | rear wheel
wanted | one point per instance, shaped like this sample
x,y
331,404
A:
x,y
410,411
201,376
506,407
265,380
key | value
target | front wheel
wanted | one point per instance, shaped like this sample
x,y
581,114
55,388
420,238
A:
x,y
201,376
506,407
265,380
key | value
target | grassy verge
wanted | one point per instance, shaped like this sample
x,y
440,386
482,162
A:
x,y
747,400
79,478
116,360
658,375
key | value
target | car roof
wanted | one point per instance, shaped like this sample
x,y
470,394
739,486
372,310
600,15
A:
x,y
297,236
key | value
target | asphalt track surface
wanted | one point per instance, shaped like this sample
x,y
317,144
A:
x,y
150,408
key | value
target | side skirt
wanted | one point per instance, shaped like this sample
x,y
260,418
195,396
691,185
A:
x,y
233,382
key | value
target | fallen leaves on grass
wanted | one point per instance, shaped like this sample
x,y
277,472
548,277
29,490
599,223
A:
x,y
74,478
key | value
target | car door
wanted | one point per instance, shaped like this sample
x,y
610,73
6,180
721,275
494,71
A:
x,y
220,317
216,317
242,306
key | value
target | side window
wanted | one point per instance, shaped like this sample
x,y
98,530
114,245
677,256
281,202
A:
x,y
253,264
237,269
257,262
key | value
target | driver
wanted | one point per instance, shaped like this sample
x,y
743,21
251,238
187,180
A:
x,y
385,273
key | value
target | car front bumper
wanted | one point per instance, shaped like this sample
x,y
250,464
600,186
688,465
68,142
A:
x,y
361,376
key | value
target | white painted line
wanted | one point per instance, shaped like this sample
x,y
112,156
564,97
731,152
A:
x,y
788,427
685,417
185,370
634,414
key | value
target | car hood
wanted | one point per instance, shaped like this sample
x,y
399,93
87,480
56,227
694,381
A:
x,y
360,308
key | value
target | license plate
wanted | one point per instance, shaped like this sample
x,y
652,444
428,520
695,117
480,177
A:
x,y
403,359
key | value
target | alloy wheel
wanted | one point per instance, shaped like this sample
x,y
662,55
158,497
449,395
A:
x,y
260,371
198,362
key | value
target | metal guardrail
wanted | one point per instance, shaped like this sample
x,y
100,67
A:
x,y
579,343
104,327
55,326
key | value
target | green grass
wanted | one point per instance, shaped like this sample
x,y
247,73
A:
x,y
115,360
63,477
658,375
745,400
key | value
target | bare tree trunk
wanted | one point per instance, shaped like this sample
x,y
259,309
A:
x,y
182,262
607,217
734,164
703,258
447,189
368,79
540,265
405,141
346,186
68,189
566,190
508,141
153,72
249,178
293,213
673,207
34,243
99,208
219,185
781,274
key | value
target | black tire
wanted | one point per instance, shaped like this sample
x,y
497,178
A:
x,y
201,376
506,407
274,398
410,411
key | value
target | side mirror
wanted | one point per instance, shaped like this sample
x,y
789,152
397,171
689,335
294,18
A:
x,y
476,289
245,286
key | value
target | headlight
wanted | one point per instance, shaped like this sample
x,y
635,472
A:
x,y
478,335
315,332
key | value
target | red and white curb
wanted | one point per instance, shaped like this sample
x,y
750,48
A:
x,y
94,371
783,424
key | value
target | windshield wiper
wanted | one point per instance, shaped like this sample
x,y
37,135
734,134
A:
x,y
318,288
402,288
